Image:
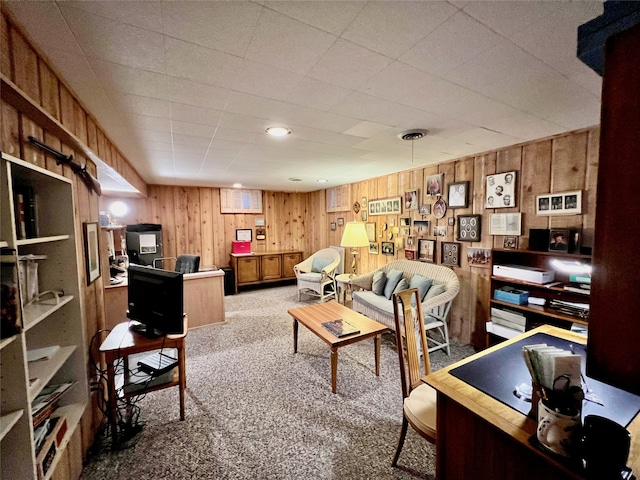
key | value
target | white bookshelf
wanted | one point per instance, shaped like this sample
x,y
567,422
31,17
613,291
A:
x,y
46,323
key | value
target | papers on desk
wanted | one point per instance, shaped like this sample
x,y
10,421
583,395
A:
x,y
546,364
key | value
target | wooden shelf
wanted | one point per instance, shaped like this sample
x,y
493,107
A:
x,y
540,310
39,240
35,312
8,421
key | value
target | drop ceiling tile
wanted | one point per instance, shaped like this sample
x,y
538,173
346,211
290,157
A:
x,y
190,140
140,105
370,130
294,116
302,46
348,65
201,64
116,42
147,14
246,123
194,129
254,106
331,17
185,91
145,122
450,45
233,135
266,81
392,31
485,138
316,94
224,26
130,80
228,146
396,81
193,114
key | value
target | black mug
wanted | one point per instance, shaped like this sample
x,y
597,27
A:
x,y
605,448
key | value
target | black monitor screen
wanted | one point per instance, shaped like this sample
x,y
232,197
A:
x,y
155,299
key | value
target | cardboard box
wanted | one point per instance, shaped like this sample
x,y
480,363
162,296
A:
x,y
511,295
525,274
240,247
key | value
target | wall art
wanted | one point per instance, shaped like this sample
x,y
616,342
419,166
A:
x,y
439,208
411,199
459,195
427,250
505,224
388,248
450,254
469,227
564,203
501,190
385,206
434,185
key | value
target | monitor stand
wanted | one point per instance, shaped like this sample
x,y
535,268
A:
x,y
142,329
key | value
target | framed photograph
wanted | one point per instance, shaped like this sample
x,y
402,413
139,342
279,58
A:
x,y
469,227
559,240
424,209
363,201
371,231
479,257
340,222
260,222
91,251
411,199
427,250
385,206
405,221
434,185
411,242
405,231
388,248
510,242
440,231
244,234
450,254
332,225
410,254
373,248
421,227
363,215
501,190
451,221
439,208
505,224
564,203
459,195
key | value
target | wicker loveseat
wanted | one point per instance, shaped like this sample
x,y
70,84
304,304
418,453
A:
x,y
435,308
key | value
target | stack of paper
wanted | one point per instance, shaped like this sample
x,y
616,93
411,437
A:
x,y
509,319
547,363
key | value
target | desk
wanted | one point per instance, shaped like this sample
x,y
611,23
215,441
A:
x,y
122,342
480,437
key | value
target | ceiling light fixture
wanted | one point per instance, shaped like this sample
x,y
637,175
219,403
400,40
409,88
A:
x,y
414,134
278,131
237,185
322,180
295,179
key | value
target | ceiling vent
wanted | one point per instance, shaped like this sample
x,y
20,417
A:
x,y
414,134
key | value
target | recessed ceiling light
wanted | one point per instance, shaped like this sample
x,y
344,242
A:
x,y
278,131
295,179
322,180
237,185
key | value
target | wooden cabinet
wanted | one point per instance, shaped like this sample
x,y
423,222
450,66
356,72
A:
x,y
264,267
52,322
537,315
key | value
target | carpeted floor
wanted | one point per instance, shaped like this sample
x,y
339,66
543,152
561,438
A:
x,y
255,410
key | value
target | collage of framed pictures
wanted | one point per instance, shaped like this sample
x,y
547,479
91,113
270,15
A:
x,y
501,190
385,206
564,203
469,227
459,195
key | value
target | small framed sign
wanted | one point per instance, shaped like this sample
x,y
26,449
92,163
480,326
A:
x,y
244,234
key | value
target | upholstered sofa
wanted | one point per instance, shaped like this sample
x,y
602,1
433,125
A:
x,y
437,293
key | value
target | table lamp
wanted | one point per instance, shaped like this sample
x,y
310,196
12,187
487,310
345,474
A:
x,y
354,236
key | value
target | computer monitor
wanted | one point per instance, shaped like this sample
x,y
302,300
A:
x,y
155,300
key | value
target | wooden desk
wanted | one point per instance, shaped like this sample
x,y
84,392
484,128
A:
x,y
122,342
480,437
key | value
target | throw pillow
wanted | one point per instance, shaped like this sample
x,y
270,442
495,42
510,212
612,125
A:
x,y
379,281
319,263
433,291
402,285
422,284
393,277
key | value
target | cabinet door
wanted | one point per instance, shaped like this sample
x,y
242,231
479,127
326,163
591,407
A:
x,y
248,270
271,267
289,260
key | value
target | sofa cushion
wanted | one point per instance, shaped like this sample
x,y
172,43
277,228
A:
x,y
379,303
319,263
433,291
422,284
310,277
379,281
402,285
393,277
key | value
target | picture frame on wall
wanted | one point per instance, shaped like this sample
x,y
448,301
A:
x,y
332,225
562,203
510,241
434,185
411,199
501,190
370,227
388,248
421,227
91,251
424,209
559,240
244,234
440,208
469,228
427,250
405,221
440,231
373,248
459,195
340,222
385,206
505,224
450,255
479,257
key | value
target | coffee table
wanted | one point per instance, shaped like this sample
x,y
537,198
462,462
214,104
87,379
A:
x,y
312,317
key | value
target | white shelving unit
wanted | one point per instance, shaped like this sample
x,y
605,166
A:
x,y
46,323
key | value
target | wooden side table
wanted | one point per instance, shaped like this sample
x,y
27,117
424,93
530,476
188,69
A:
x,y
122,342
342,286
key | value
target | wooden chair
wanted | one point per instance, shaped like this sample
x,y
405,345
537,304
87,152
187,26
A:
x,y
419,399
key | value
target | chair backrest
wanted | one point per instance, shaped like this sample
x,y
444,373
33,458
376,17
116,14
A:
x,y
410,327
188,263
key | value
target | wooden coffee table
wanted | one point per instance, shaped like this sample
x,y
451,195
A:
x,y
312,317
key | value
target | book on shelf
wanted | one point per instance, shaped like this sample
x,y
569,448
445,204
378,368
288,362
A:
x,y
506,323
508,315
39,354
26,201
11,322
577,309
340,328
21,223
46,402
501,330
582,288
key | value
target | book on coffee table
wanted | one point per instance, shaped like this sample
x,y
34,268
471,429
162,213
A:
x,y
340,328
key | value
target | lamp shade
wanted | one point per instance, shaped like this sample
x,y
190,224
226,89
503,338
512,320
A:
x,y
354,235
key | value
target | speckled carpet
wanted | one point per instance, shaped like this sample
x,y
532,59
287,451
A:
x,y
255,410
